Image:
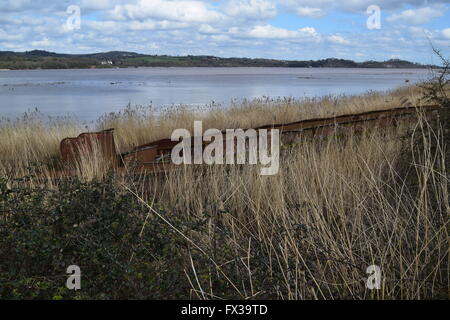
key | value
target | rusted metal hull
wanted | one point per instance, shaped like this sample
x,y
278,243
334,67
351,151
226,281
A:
x,y
155,156
148,154
95,143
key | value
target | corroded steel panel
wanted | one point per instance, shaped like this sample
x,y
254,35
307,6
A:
x,y
102,143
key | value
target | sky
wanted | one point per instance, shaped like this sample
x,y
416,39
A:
x,y
359,30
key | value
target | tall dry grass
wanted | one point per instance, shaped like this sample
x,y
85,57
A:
x,y
135,126
31,139
310,232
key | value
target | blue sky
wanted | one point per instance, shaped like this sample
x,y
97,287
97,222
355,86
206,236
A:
x,y
285,29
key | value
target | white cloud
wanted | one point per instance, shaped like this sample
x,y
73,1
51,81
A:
x,y
177,10
420,33
271,32
9,37
310,12
446,33
221,38
389,5
154,25
338,39
418,16
206,28
253,9
101,26
359,6
96,4
41,43
7,5
308,8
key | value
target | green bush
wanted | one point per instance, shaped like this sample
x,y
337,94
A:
x,y
96,226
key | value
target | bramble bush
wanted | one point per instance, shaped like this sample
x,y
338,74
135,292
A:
x,y
97,226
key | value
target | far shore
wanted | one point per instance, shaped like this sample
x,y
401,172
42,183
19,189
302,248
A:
x,y
222,67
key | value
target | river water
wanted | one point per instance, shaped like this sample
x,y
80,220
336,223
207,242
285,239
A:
x,y
89,93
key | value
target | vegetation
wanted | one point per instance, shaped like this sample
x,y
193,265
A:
x,y
338,205
38,59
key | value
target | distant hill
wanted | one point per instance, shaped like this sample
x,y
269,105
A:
x,y
39,59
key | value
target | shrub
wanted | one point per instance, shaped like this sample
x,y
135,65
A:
x,y
95,225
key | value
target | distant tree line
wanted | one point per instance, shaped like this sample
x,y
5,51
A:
x,y
38,59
